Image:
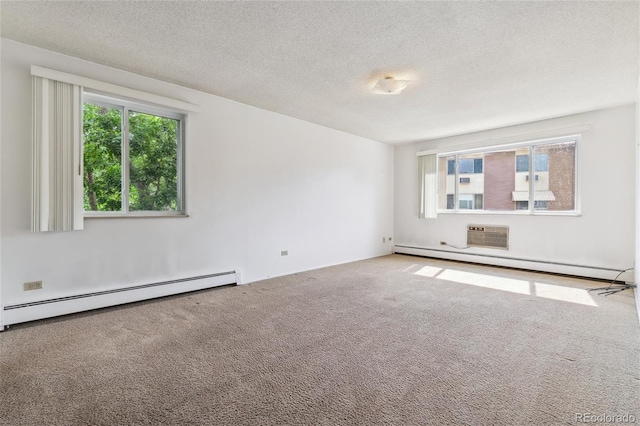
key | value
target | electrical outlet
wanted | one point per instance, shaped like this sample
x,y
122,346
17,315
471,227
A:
x,y
284,253
384,240
33,285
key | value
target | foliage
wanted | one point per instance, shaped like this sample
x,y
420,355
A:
x,y
153,160
153,153
102,158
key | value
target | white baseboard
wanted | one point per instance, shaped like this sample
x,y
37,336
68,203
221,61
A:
x,y
14,314
534,265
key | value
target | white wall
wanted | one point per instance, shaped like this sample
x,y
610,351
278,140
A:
x,y
1,322
637,233
257,183
603,236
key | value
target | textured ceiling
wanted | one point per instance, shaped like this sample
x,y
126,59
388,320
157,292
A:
x,y
474,65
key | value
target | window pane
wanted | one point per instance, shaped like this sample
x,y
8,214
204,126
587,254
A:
x,y
474,183
540,205
477,201
153,162
501,179
465,201
466,165
520,195
446,183
451,167
478,165
102,133
541,162
522,163
555,186
450,202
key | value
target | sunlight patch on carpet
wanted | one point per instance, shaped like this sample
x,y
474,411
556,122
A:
x,y
530,288
565,294
486,281
428,271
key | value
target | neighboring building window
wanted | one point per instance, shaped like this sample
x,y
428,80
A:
x,y
465,201
467,166
477,201
499,179
541,205
132,157
538,205
522,163
450,202
470,201
541,163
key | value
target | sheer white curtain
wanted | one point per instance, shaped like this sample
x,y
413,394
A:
x,y
57,156
427,187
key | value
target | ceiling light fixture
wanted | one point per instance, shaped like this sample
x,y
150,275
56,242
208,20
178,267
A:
x,y
390,86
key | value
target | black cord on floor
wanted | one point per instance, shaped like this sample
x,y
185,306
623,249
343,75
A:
x,y
608,291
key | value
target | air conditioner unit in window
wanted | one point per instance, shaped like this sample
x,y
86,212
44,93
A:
x,y
488,236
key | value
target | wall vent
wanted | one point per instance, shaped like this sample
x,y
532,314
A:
x,y
488,236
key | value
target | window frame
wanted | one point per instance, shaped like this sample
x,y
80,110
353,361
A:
x,y
126,105
531,144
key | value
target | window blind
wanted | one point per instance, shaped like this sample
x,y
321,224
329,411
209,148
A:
x,y
427,187
57,156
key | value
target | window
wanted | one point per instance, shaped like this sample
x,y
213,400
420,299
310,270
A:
x,y
522,163
538,205
132,158
470,178
128,154
477,201
451,167
467,165
465,201
450,202
470,201
541,163
500,179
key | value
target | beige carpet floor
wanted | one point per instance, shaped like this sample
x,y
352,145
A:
x,y
392,340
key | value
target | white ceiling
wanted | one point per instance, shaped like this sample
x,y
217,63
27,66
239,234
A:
x,y
474,65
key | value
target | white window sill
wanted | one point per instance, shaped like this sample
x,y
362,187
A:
x,y
142,215
512,213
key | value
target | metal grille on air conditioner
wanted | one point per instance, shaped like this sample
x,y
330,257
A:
x,y
488,236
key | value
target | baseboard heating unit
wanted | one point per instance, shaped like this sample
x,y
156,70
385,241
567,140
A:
x,y
47,308
599,272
